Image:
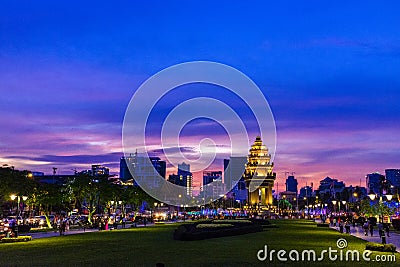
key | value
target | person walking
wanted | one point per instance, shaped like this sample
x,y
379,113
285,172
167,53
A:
x,y
347,226
387,227
366,227
341,227
380,229
371,228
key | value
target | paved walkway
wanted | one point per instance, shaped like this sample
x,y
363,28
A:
x,y
358,231
78,231
52,233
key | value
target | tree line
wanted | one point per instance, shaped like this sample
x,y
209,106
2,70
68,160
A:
x,y
83,192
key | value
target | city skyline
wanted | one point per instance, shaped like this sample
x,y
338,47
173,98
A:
x,y
331,80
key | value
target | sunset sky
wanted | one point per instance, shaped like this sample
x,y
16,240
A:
x,y
330,72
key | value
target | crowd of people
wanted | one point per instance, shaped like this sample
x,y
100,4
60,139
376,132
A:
x,y
368,225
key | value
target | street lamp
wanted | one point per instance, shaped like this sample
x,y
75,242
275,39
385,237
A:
x,y
24,198
388,196
372,195
112,205
334,205
344,204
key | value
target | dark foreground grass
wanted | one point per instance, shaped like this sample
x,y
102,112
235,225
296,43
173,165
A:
x,y
147,246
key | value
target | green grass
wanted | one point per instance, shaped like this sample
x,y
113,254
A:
x,y
147,246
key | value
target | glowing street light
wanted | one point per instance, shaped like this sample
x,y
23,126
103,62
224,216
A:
x,y
334,205
372,195
13,197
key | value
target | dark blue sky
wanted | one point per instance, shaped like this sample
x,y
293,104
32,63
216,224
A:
x,y
330,71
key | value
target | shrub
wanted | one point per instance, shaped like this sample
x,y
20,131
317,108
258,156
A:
x,y
231,221
380,247
199,231
16,239
270,226
260,221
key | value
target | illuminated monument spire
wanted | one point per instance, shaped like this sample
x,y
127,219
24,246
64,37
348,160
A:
x,y
258,175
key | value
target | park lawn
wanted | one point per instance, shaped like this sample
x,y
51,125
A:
x,y
147,246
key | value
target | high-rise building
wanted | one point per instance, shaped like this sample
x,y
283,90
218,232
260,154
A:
x,y
211,176
305,191
184,167
233,177
100,170
330,186
144,169
186,177
258,175
374,182
213,186
124,173
291,184
393,176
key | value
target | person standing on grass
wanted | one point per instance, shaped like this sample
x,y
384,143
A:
x,y
62,227
123,222
106,224
341,227
66,224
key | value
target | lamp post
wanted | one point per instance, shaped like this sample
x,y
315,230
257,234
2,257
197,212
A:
x,y
334,205
388,196
112,206
383,184
122,208
344,204
24,198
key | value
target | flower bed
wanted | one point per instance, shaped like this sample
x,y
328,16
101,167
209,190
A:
x,y
205,230
16,239
212,225
231,221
